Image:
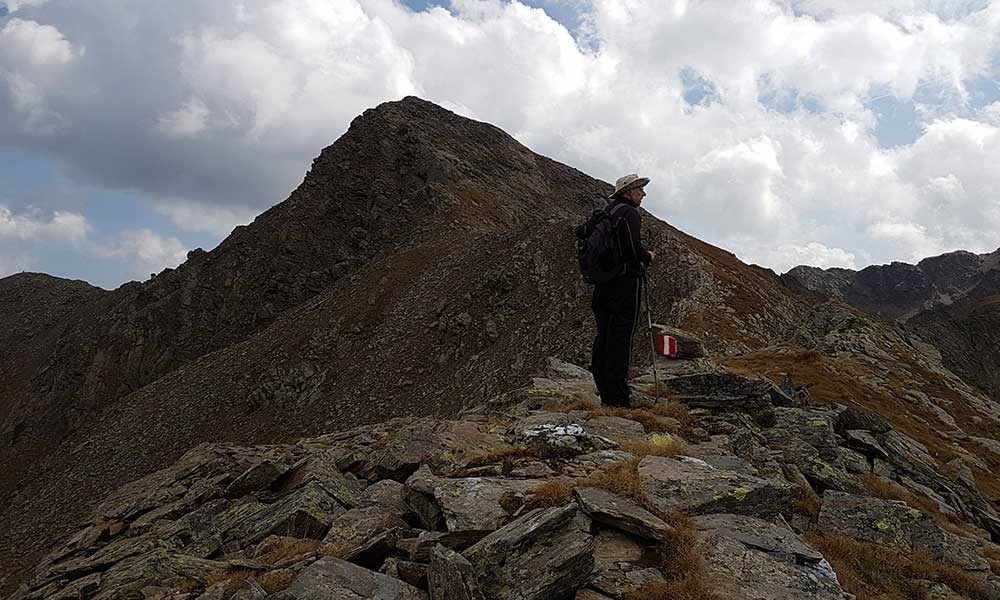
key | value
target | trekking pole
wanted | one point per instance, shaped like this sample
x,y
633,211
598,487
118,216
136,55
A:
x,y
652,343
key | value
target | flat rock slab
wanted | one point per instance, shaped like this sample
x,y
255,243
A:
x,y
860,439
615,428
740,567
307,512
621,513
760,534
334,579
696,487
541,555
726,393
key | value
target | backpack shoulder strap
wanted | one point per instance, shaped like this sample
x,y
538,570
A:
x,y
617,208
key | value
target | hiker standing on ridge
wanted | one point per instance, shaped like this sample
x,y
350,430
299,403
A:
x,y
616,303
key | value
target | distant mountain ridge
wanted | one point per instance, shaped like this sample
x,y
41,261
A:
x,y
900,290
951,300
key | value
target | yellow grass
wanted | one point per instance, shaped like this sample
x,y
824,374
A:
x,y
874,572
622,478
659,445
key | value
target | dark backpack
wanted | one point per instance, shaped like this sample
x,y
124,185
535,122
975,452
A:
x,y
597,248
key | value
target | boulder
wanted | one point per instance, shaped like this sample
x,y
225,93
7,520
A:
x,y
855,462
470,503
867,519
366,536
561,441
797,451
694,486
387,494
748,559
865,443
306,512
620,563
895,525
444,446
419,548
815,427
726,393
320,470
413,573
540,555
859,418
257,477
335,579
451,577
621,513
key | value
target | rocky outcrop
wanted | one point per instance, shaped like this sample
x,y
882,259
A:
x,y
326,517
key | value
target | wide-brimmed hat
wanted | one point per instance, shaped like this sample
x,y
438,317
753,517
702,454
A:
x,y
628,182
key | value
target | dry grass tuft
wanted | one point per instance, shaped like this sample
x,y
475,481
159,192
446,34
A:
x,y
275,581
660,445
234,579
553,492
506,455
688,588
874,572
277,549
622,478
673,409
681,563
992,554
890,490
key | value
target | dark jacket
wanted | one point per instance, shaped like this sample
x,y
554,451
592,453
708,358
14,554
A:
x,y
627,223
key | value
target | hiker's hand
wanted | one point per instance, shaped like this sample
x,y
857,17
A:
x,y
652,256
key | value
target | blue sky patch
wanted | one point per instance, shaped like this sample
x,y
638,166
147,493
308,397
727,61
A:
x,y
897,122
785,99
697,89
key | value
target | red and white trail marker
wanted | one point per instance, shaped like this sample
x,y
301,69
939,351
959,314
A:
x,y
666,345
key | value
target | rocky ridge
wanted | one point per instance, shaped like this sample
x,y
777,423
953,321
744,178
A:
x,y
432,250
732,488
949,300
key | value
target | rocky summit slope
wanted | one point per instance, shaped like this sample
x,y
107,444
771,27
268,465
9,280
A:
x,y
731,489
425,261
952,301
425,266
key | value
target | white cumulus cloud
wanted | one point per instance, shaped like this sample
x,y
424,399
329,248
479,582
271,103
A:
x,y
212,111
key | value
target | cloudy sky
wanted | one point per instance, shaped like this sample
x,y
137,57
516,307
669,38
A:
x,y
824,132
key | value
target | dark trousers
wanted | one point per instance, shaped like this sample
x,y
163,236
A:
x,y
616,309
